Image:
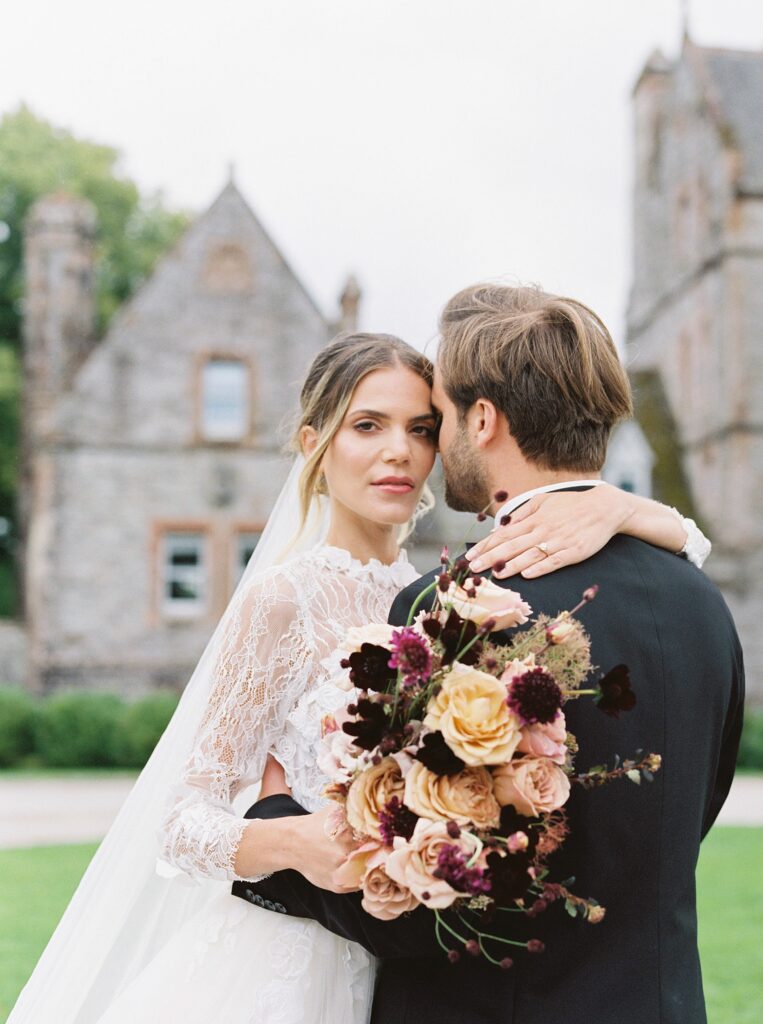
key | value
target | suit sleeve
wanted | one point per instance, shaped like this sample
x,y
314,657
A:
x,y
732,732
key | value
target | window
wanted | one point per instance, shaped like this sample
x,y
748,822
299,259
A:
x,y
225,400
184,580
246,542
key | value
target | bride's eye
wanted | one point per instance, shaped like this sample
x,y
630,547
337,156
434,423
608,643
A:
x,y
424,431
365,426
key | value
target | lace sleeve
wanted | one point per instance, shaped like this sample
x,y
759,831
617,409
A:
x,y
696,547
263,659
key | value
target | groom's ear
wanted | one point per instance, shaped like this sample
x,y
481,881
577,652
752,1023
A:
x,y
485,422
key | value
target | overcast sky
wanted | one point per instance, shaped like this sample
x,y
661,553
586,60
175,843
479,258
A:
x,y
423,144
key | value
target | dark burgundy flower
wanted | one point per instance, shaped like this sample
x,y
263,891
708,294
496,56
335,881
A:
x,y
371,725
501,496
472,947
412,655
505,520
455,635
509,876
454,956
507,963
511,822
396,820
369,668
436,755
615,693
535,946
535,696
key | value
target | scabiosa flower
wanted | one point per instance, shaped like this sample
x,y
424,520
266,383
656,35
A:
x,y
509,875
535,696
396,820
412,655
452,868
615,693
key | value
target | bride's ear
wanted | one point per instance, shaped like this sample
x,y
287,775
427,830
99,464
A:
x,y
308,440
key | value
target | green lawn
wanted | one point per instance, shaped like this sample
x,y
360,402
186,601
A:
x,y
36,884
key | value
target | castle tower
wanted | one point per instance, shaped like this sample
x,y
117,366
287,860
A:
x,y
695,315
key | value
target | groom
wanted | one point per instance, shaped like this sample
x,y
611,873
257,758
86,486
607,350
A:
x,y
529,386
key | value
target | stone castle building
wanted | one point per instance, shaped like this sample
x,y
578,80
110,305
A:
x,y
151,457
695,316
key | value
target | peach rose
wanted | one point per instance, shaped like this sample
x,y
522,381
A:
x,y
545,739
464,797
370,791
506,607
532,785
413,861
352,872
385,898
472,714
338,757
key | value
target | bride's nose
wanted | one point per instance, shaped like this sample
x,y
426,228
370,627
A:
x,y
397,448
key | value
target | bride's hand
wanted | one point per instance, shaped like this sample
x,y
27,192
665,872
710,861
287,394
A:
x,y
324,848
553,530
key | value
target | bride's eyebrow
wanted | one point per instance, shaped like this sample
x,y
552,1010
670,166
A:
x,y
427,416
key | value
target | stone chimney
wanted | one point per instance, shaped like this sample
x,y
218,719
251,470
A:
x,y
59,307
349,302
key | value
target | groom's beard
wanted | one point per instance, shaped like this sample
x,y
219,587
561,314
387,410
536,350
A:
x,y
466,484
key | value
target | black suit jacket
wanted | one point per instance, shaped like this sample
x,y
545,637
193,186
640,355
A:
x,y
634,848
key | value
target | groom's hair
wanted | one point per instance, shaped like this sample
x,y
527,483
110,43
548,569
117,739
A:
x,y
547,363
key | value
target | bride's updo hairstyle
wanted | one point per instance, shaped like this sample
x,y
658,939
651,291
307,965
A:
x,y
327,392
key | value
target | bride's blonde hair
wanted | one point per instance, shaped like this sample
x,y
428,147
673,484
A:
x,y
326,395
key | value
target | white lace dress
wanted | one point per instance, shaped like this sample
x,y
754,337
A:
x,y
235,962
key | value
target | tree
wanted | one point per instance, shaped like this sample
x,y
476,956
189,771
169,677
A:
x,y
134,230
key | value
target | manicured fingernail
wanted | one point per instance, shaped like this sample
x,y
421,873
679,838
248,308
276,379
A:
x,y
477,566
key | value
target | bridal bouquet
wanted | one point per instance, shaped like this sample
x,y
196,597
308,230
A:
x,y
453,763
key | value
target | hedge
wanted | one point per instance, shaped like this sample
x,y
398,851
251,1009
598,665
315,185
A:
x,y
81,730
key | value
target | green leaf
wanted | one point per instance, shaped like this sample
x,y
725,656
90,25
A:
x,y
571,908
635,776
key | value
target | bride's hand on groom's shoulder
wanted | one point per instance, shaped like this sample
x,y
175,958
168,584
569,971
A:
x,y
323,849
553,530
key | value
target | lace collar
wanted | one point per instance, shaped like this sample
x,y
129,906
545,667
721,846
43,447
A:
x,y
398,574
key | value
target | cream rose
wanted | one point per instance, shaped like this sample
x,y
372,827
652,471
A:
x,y
413,861
464,797
472,714
373,633
490,602
545,739
532,785
370,792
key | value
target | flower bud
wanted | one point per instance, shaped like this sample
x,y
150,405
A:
x,y
501,496
590,594
472,947
535,946
507,963
518,842
596,915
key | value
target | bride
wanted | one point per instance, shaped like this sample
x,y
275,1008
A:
x,y
153,932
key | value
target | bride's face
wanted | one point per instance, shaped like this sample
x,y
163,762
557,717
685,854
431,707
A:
x,y
379,459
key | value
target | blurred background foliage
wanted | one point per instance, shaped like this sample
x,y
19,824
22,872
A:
x,y
134,230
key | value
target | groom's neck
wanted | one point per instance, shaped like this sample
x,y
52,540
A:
x,y
517,476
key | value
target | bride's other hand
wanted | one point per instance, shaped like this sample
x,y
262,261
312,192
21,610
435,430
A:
x,y
273,779
553,530
324,848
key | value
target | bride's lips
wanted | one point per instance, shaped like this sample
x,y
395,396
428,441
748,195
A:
x,y
395,484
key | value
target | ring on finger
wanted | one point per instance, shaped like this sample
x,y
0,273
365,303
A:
x,y
543,548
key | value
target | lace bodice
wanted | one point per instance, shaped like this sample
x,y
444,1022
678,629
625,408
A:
x,y
272,685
